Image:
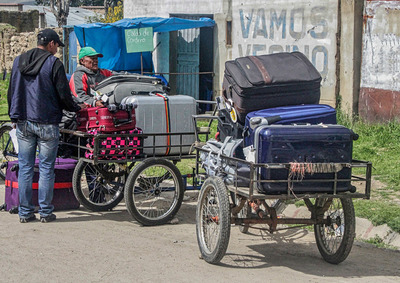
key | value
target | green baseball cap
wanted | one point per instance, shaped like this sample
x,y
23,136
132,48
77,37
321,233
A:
x,y
88,51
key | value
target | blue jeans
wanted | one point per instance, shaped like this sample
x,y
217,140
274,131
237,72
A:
x,y
31,135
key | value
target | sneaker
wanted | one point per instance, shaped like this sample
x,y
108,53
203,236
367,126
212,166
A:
x,y
48,218
27,219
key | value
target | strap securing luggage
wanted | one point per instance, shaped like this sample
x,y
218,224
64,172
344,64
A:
x,y
167,118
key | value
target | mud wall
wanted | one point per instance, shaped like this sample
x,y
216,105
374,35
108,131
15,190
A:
x,y
13,43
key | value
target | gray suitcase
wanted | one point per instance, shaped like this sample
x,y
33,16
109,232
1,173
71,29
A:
x,y
152,118
117,87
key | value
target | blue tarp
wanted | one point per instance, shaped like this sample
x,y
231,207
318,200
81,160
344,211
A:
x,y
108,39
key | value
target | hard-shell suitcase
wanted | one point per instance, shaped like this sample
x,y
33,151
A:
x,y
162,114
305,147
286,115
117,87
103,119
63,197
258,82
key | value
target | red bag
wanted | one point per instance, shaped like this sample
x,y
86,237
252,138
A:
x,y
104,120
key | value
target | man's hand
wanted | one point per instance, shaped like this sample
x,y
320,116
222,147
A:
x,y
82,106
99,103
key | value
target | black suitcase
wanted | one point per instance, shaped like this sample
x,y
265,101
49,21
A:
x,y
258,82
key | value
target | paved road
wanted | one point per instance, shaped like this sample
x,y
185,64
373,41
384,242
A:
x,y
83,246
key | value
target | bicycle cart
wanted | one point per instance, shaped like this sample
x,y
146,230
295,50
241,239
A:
x,y
234,198
151,185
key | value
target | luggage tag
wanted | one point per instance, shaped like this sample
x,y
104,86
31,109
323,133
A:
x,y
250,153
233,115
220,103
231,110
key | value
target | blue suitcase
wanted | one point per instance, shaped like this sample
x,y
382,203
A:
x,y
286,115
303,145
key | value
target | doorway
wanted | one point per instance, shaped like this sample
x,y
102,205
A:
x,y
191,58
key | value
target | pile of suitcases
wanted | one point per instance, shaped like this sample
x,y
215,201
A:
x,y
139,104
271,101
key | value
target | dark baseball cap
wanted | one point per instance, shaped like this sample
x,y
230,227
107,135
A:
x,y
48,35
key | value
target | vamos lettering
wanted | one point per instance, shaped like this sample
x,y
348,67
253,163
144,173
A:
x,y
295,26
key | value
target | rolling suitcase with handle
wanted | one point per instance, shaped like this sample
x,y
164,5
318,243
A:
x,y
163,114
313,149
103,119
258,82
286,115
63,197
115,88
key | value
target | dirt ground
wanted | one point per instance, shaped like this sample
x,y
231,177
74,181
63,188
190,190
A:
x,y
83,246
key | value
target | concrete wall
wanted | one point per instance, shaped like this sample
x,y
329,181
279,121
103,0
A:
x,y
349,54
329,32
262,28
380,77
285,26
11,7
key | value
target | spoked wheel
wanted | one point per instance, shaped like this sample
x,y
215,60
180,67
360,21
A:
x,y
154,191
7,150
213,220
99,187
245,212
335,239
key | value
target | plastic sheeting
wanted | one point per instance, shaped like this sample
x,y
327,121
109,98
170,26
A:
x,y
109,39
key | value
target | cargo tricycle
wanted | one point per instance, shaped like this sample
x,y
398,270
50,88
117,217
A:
x,y
236,192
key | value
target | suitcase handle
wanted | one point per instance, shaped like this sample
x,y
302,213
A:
x,y
120,122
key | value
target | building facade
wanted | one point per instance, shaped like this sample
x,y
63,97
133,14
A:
x,y
328,32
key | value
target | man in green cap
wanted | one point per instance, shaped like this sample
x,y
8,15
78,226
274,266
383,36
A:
x,y
87,76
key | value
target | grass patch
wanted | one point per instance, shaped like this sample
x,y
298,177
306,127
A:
x,y
380,144
379,212
3,99
379,243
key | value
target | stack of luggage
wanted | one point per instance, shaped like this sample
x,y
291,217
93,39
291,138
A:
x,y
140,104
271,102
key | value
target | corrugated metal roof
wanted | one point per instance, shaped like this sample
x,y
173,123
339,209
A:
x,y
77,16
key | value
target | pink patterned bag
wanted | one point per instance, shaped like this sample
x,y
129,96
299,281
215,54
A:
x,y
115,147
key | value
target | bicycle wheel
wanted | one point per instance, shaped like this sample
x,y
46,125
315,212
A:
x,y
7,150
335,240
154,191
245,212
99,187
213,220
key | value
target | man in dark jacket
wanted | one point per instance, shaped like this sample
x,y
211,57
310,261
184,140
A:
x,y
88,76
37,94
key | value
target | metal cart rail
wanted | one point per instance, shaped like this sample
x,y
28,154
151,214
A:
x,y
151,185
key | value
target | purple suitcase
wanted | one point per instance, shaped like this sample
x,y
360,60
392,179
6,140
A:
x,y
304,144
287,115
63,197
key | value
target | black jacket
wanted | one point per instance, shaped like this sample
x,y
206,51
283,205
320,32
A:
x,y
56,97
